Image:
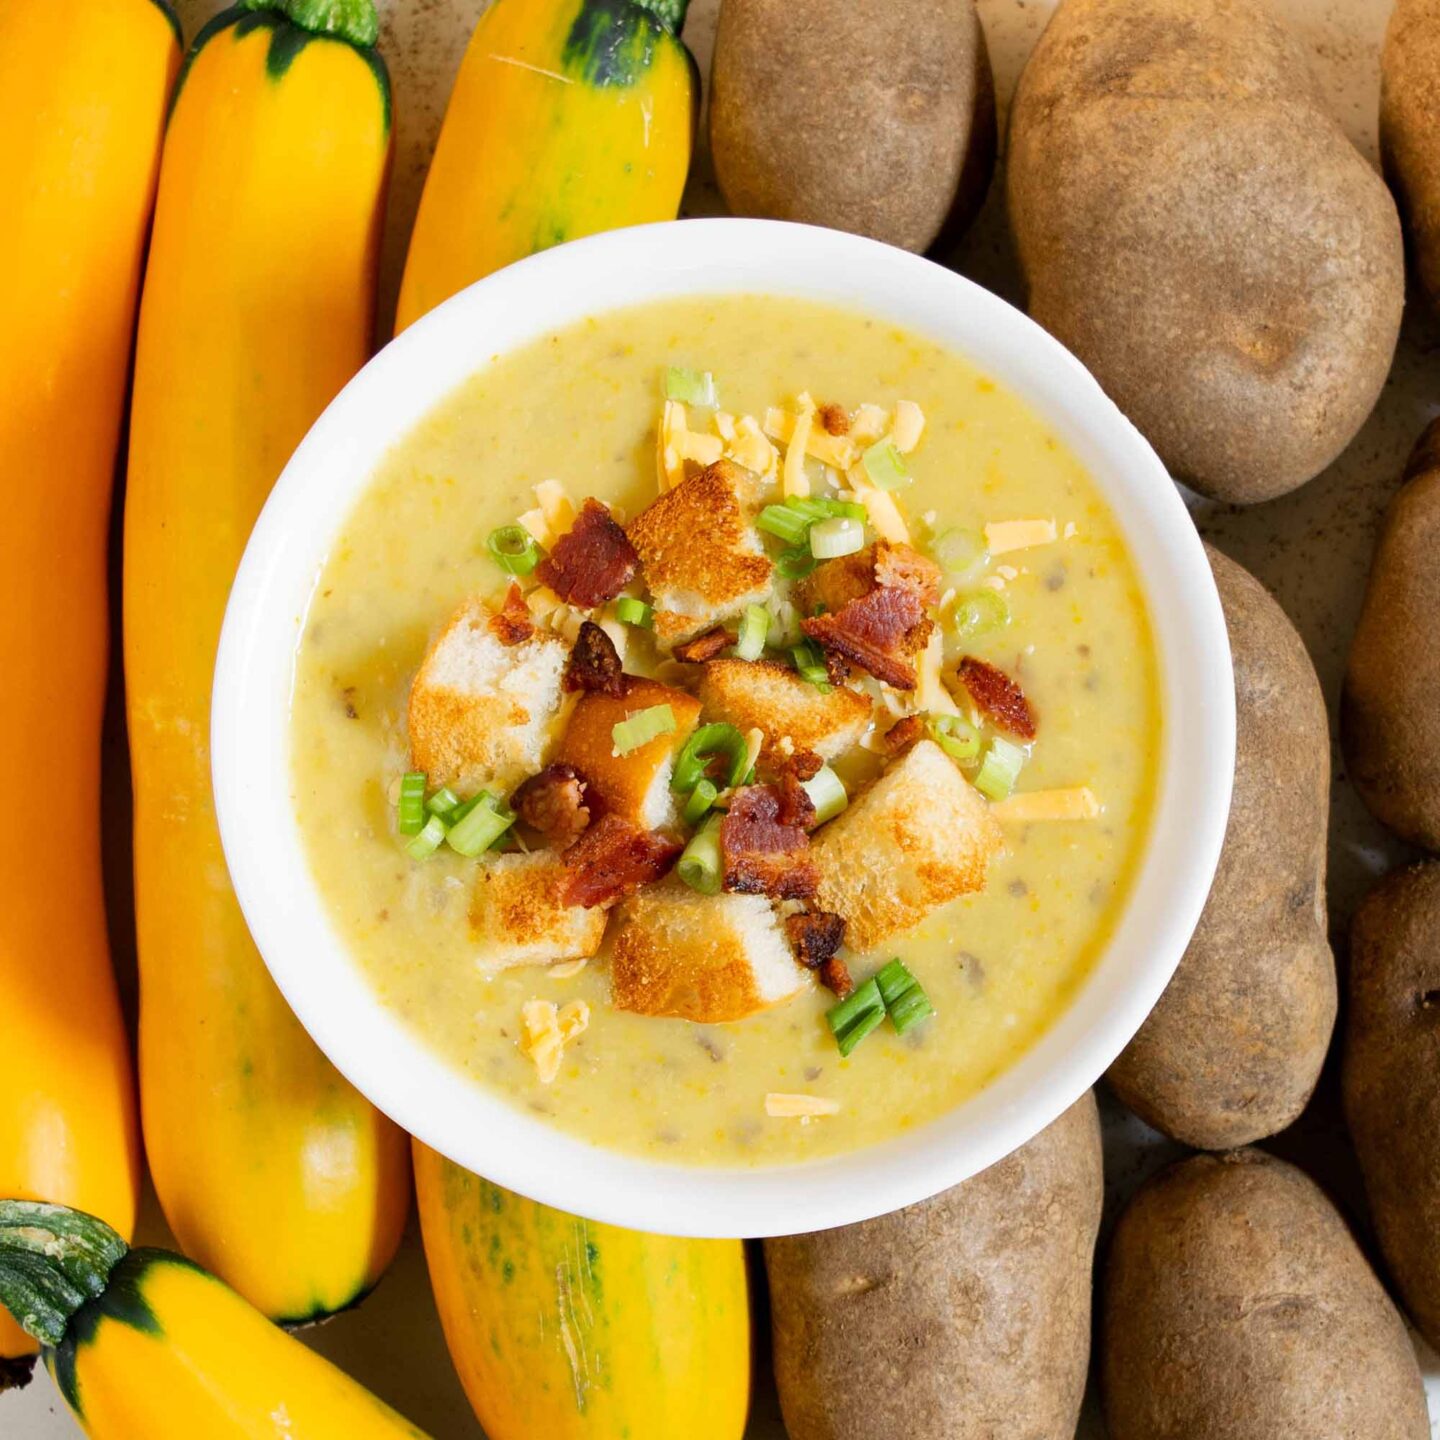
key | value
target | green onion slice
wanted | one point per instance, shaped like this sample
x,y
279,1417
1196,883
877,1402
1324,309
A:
x,y
999,770
852,1020
983,611
631,611
838,536
827,794
822,507
444,803
754,627
707,744
885,466
514,549
642,727
700,865
702,797
809,661
905,1000
411,818
691,387
958,738
960,551
795,563
483,822
784,523
427,841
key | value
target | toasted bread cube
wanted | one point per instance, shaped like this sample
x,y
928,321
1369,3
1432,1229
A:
x,y
915,839
706,958
761,693
635,786
518,913
481,710
700,553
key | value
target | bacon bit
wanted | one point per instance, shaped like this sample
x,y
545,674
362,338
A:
x,y
903,734
594,664
760,852
705,647
998,697
835,975
875,632
815,936
614,858
592,562
806,765
512,624
796,806
553,803
834,419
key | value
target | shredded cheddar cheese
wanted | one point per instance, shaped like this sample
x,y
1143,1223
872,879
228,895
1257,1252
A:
x,y
908,426
880,505
725,426
751,449
781,1106
930,691
754,743
547,1029
534,522
1004,535
795,481
1078,803
868,424
837,451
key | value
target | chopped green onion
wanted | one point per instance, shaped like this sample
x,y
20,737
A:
x,y
411,818
894,980
444,803
984,610
784,523
998,771
839,536
631,611
827,794
514,549
697,807
700,865
795,563
427,841
885,466
958,738
709,743
852,1020
693,387
905,1000
485,820
642,727
960,552
754,627
809,661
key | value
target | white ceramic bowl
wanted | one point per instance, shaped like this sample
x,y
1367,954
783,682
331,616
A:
x,y
308,957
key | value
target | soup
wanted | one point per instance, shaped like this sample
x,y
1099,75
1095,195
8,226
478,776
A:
x,y
1028,593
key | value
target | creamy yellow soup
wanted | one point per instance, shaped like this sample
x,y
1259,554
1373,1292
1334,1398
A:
x,y
581,406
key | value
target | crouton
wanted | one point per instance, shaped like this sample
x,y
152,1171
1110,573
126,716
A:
x,y
706,958
518,915
634,786
748,693
700,554
916,838
481,710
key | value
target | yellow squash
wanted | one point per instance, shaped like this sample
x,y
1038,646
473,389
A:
x,y
568,117
569,1330
146,1346
83,91
257,308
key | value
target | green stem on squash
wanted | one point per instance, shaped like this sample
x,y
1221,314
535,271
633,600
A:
x,y
670,13
53,1260
352,20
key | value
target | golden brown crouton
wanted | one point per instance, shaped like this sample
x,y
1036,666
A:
x,y
635,786
706,958
518,914
700,554
480,710
916,838
772,697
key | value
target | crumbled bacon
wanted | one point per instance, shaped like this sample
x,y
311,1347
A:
x,y
815,936
999,698
553,803
835,975
806,764
512,624
834,419
707,646
760,852
594,664
614,858
592,562
903,734
796,806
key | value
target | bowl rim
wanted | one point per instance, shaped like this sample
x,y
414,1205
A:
x,y
314,496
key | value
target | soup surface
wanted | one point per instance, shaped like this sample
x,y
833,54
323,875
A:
x,y
582,407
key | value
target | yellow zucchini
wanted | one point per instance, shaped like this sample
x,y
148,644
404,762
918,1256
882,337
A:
x,y
568,117
569,1330
257,308
145,1346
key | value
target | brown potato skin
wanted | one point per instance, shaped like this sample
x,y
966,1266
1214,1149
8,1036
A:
x,y
1390,704
1391,1078
1193,225
1410,130
1234,1048
1237,1306
875,116
966,1317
